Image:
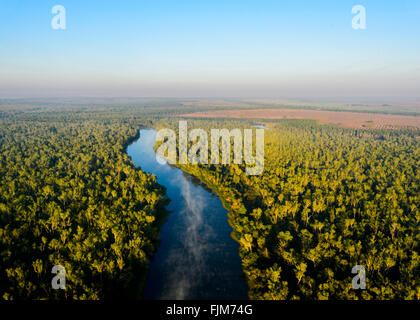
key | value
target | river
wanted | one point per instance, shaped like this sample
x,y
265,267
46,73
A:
x,y
196,257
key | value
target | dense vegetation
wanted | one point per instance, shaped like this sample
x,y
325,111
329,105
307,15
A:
x,y
70,196
329,199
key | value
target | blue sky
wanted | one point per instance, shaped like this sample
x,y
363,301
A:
x,y
206,48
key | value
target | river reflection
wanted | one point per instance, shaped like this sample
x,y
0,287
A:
x,y
196,258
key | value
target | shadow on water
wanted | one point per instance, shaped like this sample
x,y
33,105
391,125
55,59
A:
x,y
196,258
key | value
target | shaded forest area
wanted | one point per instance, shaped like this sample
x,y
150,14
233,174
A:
x,y
70,196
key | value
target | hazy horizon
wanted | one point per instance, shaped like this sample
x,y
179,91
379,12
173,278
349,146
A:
x,y
238,49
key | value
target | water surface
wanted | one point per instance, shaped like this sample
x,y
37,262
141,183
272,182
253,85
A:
x,y
196,258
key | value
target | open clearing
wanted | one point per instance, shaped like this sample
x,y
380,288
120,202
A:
x,y
344,118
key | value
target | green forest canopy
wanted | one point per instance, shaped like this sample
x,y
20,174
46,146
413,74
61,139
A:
x,y
329,199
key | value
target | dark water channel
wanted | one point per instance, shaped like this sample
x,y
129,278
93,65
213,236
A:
x,y
196,258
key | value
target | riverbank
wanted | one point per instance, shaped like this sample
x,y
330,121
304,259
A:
x,y
140,270
196,257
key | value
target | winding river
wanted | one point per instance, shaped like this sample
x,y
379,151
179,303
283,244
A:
x,y
196,258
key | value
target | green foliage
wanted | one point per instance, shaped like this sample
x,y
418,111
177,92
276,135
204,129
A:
x,y
329,199
70,195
